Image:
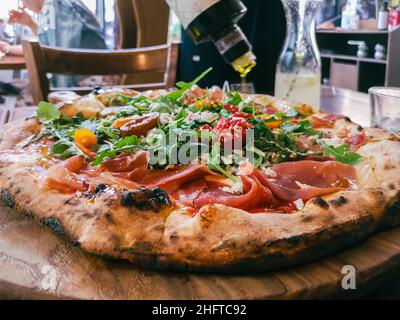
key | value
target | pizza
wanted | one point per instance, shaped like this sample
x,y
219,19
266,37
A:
x,y
144,177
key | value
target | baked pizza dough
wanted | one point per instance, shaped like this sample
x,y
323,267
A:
x,y
217,238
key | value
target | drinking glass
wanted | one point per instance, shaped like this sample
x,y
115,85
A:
x,y
385,103
244,87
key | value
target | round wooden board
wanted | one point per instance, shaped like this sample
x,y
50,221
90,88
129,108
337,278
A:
x,y
36,264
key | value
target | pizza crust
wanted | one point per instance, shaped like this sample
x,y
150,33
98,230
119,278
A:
x,y
219,238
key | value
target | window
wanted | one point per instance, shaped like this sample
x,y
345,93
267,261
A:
x,y
91,4
7,6
105,12
174,28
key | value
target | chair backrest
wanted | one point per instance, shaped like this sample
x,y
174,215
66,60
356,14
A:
x,y
41,60
128,28
142,23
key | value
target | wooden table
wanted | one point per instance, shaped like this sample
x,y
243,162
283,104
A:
x,y
35,263
12,63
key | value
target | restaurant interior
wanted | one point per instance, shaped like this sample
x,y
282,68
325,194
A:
x,y
124,25
347,59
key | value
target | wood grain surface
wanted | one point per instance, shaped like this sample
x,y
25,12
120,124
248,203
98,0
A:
x,y
36,264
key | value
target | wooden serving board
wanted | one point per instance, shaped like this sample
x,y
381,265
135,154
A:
x,y
36,264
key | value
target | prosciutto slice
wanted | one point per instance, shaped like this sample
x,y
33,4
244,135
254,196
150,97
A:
x,y
169,180
127,162
63,176
307,179
255,195
290,182
195,185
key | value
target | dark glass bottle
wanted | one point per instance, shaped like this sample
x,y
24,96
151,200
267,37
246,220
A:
x,y
216,21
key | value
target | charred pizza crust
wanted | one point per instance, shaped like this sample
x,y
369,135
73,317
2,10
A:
x,y
219,238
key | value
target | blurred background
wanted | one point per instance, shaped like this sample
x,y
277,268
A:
x,y
264,25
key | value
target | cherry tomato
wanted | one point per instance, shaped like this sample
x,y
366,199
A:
x,y
206,127
141,126
274,124
243,115
230,129
117,124
85,138
231,108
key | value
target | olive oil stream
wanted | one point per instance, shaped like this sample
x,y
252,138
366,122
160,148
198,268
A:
x,y
243,70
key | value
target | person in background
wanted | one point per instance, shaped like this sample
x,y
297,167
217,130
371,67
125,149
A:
x,y
61,23
3,34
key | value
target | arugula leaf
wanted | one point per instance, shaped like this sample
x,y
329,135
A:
x,y
128,143
177,123
341,153
107,132
252,109
162,107
110,150
234,99
47,111
214,162
304,126
281,116
278,146
103,155
184,86
65,149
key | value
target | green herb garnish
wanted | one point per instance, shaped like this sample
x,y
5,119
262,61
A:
x,y
47,112
185,86
111,150
65,149
304,127
214,162
341,154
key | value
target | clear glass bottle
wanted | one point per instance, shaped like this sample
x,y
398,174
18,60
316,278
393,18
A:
x,y
298,73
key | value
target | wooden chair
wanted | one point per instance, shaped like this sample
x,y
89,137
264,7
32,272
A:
x,y
142,23
41,60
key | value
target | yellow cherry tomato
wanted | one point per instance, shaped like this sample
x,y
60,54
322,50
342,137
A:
x,y
85,138
274,124
198,104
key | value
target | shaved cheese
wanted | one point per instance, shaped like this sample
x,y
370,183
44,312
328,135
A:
x,y
245,168
166,118
299,204
302,185
269,172
205,116
237,188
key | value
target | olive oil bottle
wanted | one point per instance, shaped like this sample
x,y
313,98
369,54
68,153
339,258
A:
x,y
216,21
